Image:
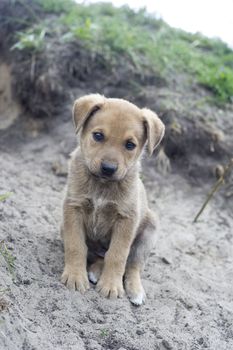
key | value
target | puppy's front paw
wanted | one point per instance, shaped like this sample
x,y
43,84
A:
x,y
135,291
75,279
110,286
137,298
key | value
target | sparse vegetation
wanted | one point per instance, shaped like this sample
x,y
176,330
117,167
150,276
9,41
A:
x,y
104,332
32,39
56,6
138,38
8,257
220,81
5,196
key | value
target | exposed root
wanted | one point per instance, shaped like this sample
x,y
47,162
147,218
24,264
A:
x,y
163,162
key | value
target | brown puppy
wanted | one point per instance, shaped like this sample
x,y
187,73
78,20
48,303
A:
x,y
108,228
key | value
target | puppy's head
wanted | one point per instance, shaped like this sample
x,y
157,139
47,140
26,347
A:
x,y
113,133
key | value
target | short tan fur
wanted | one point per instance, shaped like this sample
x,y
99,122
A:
x,y
108,229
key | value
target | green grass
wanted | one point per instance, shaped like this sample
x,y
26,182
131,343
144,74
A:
x,y
137,38
4,290
8,257
56,6
33,39
4,196
104,332
219,80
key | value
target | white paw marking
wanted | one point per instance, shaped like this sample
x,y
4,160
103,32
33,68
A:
x,y
138,299
92,277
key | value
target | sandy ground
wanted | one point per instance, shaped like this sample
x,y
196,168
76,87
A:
x,y
188,279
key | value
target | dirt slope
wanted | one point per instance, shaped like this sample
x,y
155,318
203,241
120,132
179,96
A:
x,y
188,279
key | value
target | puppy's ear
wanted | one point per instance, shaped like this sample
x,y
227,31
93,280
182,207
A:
x,y
84,108
155,129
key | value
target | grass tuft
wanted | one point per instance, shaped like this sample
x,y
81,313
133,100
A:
x,y
220,81
32,39
104,332
4,196
56,6
8,257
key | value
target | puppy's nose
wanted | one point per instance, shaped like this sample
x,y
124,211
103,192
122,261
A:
x,y
108,169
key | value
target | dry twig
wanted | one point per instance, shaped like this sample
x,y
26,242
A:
x,y
217,185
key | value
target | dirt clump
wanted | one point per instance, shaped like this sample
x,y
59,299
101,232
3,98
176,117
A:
x,y
9,108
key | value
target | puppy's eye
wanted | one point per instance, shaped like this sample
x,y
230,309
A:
x,y
130,145
98,136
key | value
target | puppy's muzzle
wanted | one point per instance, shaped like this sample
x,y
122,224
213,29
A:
x,y
108,169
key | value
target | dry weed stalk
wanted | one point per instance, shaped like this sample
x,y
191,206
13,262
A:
x,y
226,170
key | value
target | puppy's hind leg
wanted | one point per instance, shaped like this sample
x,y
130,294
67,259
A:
x,y
141,247
95,270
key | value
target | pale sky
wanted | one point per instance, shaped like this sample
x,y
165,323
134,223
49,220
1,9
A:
x,y
213,18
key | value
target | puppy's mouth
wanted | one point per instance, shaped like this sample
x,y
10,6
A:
x,y
105,178
100,176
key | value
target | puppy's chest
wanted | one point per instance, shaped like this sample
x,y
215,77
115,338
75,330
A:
x,y
100,217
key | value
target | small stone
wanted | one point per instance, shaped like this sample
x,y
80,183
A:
x,y
186,303
166,344
158,336
200,341
59,168
27,282
139,332
3,304
165,261
153,330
